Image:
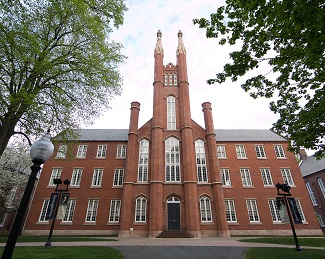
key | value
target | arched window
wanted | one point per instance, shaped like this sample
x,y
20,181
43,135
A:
x,y
321,185
170,79
143,161
201,168
311,194
140,209
205,208
172,161
166,79
171,113
175,79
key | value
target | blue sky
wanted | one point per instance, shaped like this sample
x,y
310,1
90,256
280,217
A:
x,y
232,107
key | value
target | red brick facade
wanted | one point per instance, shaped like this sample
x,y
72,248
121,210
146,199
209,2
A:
x,y
171,192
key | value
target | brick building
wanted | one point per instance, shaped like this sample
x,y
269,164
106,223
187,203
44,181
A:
x,y
172,174
313,172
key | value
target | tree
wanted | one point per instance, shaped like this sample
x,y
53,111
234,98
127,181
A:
x,y
15,165
58,68
289,36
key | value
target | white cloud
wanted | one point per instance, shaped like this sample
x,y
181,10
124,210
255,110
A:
x,y
232,107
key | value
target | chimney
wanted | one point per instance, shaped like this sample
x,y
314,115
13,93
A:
x,y
302,154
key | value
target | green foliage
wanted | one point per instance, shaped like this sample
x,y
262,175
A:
x,y
58,67
272,252
303,241
290,36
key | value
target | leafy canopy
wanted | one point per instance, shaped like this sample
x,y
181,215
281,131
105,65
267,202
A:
x,y
58,67
288,35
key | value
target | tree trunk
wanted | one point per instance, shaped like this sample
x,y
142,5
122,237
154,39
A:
x,y
7,129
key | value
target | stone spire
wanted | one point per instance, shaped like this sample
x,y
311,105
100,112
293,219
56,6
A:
x,y
159,48
180,47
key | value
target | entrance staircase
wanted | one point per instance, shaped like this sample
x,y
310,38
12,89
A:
x,y
174,234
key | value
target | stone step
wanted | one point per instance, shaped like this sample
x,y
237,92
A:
x,y
174,234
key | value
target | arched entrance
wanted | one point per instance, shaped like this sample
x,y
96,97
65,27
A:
x,y
173,212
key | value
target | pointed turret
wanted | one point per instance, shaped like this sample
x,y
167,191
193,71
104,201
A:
x,y
180,47
159,47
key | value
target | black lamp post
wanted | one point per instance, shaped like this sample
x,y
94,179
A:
x,y
286,192
57,182
40,152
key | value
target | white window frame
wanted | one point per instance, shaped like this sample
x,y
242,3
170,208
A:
x,y
274,210
320,219
166,79
92,209
118,177
69,213
225,177
221,150
82,151
3,219
301,212
311,194
143,160
260,152
114,212
171,112
141,209
101,151
76,177
205,209
170,79
287,177
246,177
279,151
321,185
121,151
97,177
230,210
175,79
201,168
42,215
62,152
266,177
172,160
56,174
252,209
240,151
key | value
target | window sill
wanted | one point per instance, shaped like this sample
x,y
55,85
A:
x,y
222,157
42,223
140,223
95,186
248,187
120,158
113,223
74,186
233,223
281,158
97,157
80,157
227,186
89,224
269,186
255,223
242,158
66,223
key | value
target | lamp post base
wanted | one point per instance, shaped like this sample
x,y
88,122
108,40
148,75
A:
x,y
48,244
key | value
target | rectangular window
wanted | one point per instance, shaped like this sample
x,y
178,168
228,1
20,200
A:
x,y
301,212
201,168
170,79
166,79
175,79
172,160
320,220
43,211
121,151
97,177
76,177
114,214
171,113
245,177
3,219
221,152
82,150
230,211
279,152
143,161
287,177
140,209
56,174
266,177
118,177
240,151
92,211
260,153
225,177
252,211
62,151
274,211
101,151
68,217
205,207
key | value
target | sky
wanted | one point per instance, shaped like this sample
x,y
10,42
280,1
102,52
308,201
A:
x,y
232,108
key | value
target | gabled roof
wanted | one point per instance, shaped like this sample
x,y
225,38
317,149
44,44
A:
x,y
247,135
222,135
311,165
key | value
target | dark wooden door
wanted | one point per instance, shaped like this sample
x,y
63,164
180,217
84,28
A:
x,y
173,216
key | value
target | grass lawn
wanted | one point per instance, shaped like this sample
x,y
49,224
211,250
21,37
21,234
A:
x,y
3,239
303,241
276,252
81,252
